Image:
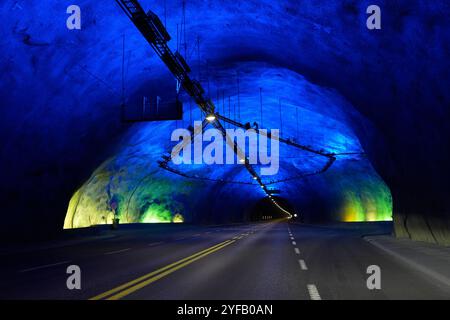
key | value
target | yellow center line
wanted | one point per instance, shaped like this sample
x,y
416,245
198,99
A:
x,y
163,274
169,267
153,273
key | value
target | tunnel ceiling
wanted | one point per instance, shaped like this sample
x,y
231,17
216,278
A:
x,y
383,93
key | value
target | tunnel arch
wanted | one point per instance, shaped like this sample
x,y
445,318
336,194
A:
x,y
70,123
135,164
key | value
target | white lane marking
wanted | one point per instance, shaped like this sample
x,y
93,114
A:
x,y
154,243
179,239
297,251
313,292
117,251
294,243
431,273
197,235
44,266
292,238
302,264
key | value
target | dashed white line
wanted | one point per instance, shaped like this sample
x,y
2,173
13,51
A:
x,y
294,243
313,292
302,264
297,251
117,251
292,238
44,266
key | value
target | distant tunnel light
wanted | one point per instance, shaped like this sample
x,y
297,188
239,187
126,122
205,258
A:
x,y
211,117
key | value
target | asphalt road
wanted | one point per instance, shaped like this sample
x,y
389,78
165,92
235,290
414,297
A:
x,y
274,260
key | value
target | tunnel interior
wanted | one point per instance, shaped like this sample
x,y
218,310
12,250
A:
x,y
378,100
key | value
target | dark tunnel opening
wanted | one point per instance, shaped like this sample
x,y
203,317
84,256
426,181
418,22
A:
x,y
265,209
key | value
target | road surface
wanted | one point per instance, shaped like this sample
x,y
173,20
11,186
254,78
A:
x,y
272,260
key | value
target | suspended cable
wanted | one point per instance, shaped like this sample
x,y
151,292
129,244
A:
x,y
281,118
123,69
184,28
198,57
229,107
261,106
165,14
239,97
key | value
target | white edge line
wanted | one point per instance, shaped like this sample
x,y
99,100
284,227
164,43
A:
x,y
44,266
117,251
437,276
155,243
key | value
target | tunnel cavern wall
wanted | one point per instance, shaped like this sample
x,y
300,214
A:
x,y
384,92
145,193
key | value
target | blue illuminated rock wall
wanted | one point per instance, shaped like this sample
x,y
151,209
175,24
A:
x,y
384,92
146,193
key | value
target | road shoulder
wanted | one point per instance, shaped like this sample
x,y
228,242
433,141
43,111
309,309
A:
x,y
430,259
